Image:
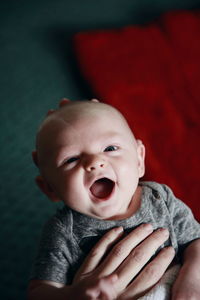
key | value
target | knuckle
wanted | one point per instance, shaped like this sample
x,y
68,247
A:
x,y
102,283
109,237
137,255
118,251
152,270
90,294
107,289
95,252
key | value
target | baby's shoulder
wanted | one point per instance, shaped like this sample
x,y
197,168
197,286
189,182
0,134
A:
x,y
158,190
60,221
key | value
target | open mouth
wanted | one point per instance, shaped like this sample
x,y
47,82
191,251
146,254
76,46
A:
x,y
102,188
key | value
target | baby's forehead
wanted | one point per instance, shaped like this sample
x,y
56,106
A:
x,y
77,111
80,111
85,108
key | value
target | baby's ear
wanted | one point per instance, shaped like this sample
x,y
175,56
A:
x,y
46,188
141,157
34,157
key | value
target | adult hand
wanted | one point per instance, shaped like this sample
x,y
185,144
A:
x,y
127,258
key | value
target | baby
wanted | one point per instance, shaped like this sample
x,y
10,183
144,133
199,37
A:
x,y
89,158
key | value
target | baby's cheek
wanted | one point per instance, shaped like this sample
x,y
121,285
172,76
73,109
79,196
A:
x,y
127,167
73,187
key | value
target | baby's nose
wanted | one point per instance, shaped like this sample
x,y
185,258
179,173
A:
x,y
94,162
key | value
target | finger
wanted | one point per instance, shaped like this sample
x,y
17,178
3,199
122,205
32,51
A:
x,y
150,275
140,256
63,102
50,111
122,249
99,250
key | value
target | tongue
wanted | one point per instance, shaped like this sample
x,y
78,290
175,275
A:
x,y
102,188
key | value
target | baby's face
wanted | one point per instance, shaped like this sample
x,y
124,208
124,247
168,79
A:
x,y
94,163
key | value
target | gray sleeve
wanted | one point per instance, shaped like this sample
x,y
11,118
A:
x,y
186,228
52,262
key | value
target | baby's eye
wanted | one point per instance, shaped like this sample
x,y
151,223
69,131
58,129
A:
x,y
71,160
111,148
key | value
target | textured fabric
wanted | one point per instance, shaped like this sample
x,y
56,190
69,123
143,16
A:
x,y
69,235
151,74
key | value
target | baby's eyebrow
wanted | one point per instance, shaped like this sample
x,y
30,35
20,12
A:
x,y
65,151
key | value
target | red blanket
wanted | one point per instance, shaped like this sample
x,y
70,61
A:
x,y
152,74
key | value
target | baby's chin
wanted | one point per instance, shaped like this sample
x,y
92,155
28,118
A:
x,y
110,213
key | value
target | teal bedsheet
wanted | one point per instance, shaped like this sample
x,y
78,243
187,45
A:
x,y
38,67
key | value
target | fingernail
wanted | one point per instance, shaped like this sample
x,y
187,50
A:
x,y
51,111
65,99
164,231
94,100
170,249
119,229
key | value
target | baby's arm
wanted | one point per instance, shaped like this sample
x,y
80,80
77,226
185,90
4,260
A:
x,y
187,284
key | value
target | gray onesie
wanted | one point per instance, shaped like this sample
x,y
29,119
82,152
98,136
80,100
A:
x,y
68,236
